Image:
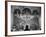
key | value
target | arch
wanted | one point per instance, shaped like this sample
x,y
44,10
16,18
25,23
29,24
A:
x,y
26,11
17,10
35,12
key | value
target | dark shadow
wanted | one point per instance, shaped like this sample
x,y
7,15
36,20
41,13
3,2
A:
x,y
26,28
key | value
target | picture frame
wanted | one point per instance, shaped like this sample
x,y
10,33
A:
x,y
10,6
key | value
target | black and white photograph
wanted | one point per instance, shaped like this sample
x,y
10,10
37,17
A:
x,y
25,18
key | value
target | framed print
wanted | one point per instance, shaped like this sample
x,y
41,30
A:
x,y
25,18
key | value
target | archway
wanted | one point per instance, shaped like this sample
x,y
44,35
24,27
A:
x,y
27,28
